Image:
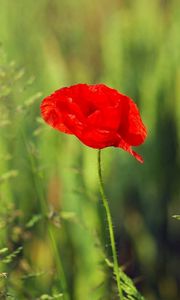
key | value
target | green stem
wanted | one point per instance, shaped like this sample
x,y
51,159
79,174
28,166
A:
x,y
110,226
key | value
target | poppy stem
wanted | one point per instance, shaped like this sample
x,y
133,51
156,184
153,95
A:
x,y
110,227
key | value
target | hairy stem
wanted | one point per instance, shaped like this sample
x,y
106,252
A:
x,y
110,227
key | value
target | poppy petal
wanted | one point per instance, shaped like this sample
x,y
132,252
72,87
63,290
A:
x,y
132,128
107,118
98,138
52,115
122,144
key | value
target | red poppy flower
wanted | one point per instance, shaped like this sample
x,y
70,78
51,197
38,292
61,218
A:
x,y
98,115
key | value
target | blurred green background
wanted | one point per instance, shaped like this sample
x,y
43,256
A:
x,y
49,198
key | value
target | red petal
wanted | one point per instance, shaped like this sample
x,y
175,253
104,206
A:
x,y
90,98
108,118
98,139
62,113
128,148
132,129
53,116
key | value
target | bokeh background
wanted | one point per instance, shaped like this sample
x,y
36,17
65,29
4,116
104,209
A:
x,y
53,232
